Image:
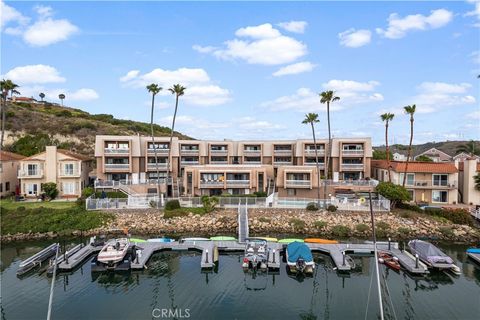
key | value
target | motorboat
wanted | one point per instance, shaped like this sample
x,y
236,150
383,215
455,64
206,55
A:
x,y
431,255
255,254
320,241
474,254
37,259
113,251
389,260
299,258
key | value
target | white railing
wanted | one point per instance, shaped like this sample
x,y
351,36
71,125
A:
x,y
282,162
311,152
352,166
238,183
320,164
116,151
186,163
297,183
69,173
281,151
209,184
153,166
252,162
426,183
252,151
117,166
341,204
219,162
159,151
132,202
475,213
218,151
371,182
226,202
352,152
30,173
189,151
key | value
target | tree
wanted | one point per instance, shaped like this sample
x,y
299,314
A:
x,y
6,87
411,111
311,119
393,192
154,89
61,96
471,147
50,189
328,97
178,90
41,95
381,155
387,117
477,181
209,203
424,158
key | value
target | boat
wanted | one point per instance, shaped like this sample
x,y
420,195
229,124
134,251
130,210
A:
x,y
319,240
113,252
299,258
194,239
255,254
137,240
37,259
474,254
389,260
290,240
265,238
432,256
223,238
163,240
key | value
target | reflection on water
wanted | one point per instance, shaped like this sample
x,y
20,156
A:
x,y
174,280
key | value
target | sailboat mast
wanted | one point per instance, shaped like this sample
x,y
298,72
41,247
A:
x,y
376,256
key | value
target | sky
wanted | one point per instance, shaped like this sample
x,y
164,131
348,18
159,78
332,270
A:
x,y
252,70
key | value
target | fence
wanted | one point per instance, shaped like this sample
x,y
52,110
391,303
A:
x,y
226,202
475,213
132,202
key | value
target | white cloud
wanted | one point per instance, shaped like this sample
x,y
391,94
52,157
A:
x,y
260,44
294,26
443,88
475,12
355,38
251,123
44,11
474,115
200,89
38,73
84,94
295,68
475,56
398,27
10,15
352,92
303,100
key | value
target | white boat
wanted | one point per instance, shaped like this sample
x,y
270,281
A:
x,y
255,254
114,251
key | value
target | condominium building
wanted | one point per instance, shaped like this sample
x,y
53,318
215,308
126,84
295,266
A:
x,y
65,168
432,182
9,183
226,166
468,170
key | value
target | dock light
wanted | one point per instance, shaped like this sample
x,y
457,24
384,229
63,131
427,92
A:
x,y
389,239
343,258
273,255
416,260
206,255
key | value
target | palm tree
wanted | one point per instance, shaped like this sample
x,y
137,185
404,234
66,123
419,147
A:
x,y
178,90
6,87
477,181
41,95
328,97
411,111
471,147
311,119
154,89
61,96
387,117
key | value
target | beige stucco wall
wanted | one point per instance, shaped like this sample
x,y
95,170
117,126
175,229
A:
x,y
470,194
9,174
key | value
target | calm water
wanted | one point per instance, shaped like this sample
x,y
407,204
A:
x,y
174,280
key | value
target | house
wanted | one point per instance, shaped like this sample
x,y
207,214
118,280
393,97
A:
x,y
399,157
436,155
432,182
461,157
468,169
23,99
65,168
9,163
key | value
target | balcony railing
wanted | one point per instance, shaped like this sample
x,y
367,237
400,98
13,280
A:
x,y
117,166
237,183
30,173
219,162
311,152
159,151
189,163
252,162
427,184
216,151
352,166
211,184
153,166
189,151
282,151
69,173
116,151
252,151
320,164
275,162
352,152
297,183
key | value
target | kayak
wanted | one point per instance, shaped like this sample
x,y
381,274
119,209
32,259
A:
x,y
223,238
319,240
265,238
161,240
195,239
473,250
137,240
388,260
290,240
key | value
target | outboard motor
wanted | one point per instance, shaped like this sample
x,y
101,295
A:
x,y
301,265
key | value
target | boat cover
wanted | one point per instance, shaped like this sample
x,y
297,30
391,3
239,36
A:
x,y
428,251
473,250
298,250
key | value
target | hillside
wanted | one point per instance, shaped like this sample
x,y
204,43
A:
x,y
449,147
29,127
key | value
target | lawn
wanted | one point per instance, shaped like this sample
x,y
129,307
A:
x,y
12,205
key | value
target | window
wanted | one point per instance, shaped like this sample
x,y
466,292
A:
x,y
440,179
411,193
32,169
7,186
410,179
68,187
68,169
439,196
1,187
31,189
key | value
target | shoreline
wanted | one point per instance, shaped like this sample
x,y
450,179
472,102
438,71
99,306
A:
x,y
265,222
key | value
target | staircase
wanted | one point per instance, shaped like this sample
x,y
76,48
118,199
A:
x,y
242,223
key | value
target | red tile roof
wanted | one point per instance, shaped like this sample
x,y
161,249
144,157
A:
x,y
9,156
417,166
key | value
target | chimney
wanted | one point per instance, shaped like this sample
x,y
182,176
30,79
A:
x,y
51,164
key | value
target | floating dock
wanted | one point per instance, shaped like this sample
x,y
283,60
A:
x,y
78,257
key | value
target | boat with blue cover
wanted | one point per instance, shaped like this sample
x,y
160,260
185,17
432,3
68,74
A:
x,y
163,240
299,258
474,254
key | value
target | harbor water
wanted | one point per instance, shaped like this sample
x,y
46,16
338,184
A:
x,y
174,286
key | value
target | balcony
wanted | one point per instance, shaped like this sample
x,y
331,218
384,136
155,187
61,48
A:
x,y
211,184
117,166
347,153
311,152
219,161
189,163
153,166
246,161
163,151
75,173
321,165
113,151
282,152
252,151
282,163
352,166
238,183
297,183
219,151
189,151
427,184
22,174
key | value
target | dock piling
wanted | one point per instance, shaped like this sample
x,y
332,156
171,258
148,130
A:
x,y
206,255
389,243
416,261
343,258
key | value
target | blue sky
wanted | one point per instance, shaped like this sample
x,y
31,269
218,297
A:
x,y
253,69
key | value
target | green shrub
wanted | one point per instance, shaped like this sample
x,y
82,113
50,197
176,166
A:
x,y
209,203
394,193
446,231
182,212
50,189
87,192
411,207
382,225
404,231
260,194
331,208
172,205
362,227
320,224
406,214
63,113
457,216
19,209
312,206
341,231
297,223
111,194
